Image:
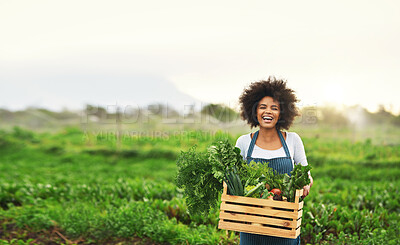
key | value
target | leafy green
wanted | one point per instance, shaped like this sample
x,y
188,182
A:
x,y
194,177
254,172
254,191
222,156
298,179
234,184
257,172
200,175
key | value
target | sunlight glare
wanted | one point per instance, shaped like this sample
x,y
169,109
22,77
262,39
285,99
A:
x,y
334,93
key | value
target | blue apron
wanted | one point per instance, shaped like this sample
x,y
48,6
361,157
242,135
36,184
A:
x,y
281,165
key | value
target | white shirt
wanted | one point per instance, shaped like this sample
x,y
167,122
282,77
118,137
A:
x,y
293,141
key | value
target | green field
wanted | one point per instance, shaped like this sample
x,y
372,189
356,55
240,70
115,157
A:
x,y
70,187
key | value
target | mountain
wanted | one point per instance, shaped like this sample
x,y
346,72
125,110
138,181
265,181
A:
x,y
75,90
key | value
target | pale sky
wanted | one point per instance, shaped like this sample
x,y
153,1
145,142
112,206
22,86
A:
x,y
344,52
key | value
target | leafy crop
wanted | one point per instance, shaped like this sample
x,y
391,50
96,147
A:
x,y
201,174
94,198
298,179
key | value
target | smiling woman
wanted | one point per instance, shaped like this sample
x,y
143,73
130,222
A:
x,y
270,105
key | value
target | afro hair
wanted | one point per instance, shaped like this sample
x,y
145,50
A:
x,y
276,89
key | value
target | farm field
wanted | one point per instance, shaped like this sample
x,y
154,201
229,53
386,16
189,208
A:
x,y
68,187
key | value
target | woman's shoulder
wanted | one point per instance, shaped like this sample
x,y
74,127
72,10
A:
x,y
293,137
243,139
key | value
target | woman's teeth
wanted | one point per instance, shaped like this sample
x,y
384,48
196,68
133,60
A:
x,y
267,118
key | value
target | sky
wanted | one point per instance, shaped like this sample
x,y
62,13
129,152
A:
x,y
63,54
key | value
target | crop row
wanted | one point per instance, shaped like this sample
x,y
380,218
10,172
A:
x,y
168,221
361,195
371,213
365,195
135,218
19,194
341,224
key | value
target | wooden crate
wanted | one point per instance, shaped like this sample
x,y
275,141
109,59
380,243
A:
x,y
261,216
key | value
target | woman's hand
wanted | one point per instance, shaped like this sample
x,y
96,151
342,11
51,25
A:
x,y
306,189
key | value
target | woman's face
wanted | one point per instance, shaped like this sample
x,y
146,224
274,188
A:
x,y
268,112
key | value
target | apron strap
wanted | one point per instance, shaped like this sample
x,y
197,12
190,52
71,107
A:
x,y
253,142
284,144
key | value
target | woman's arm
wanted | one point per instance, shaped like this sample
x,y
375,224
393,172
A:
x,y
300,158
306,189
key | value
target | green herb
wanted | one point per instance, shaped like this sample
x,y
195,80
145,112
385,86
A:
x,y
254,191
298,179
255,172
200,175
223,157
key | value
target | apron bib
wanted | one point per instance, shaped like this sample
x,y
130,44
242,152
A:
x,y
281,165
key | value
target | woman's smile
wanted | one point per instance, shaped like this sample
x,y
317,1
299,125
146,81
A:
x,y
267,119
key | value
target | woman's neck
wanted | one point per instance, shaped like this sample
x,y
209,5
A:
x,y
268,134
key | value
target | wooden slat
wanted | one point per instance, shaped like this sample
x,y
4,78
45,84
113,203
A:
x,y
261,211
299,214
239,209
225,188
298,232
258,219
261,202
258,229
301,205
299,193
298,224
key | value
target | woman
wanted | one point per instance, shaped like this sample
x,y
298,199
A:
x,y
270,105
